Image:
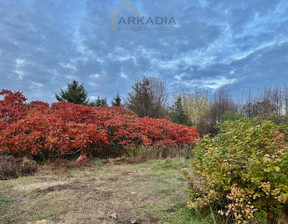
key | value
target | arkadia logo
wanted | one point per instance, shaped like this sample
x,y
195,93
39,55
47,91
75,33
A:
x,y
141,23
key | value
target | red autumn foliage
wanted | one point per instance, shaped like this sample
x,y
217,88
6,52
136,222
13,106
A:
x,y
12,106
66,128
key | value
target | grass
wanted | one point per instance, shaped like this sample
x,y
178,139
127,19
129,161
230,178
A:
x,y
169,181
179,214
152,192
5,203
97,163
44,215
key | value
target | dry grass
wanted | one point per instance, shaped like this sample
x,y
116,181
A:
x,y
150,192
145,153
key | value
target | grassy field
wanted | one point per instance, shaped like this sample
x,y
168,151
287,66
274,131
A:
x,y
150,192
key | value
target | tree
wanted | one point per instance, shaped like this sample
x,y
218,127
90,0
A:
x,y
270,101
116,100
223,103
203,113
148,98
177,114
75,93
99,102
196,105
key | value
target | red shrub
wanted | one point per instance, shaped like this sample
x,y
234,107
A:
x,y
13,106
39,105
66,128
39,133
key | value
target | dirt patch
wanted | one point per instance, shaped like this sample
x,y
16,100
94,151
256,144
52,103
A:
x,y
53,188
38,186
61,187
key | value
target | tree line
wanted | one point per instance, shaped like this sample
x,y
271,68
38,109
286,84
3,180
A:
x,y
149,97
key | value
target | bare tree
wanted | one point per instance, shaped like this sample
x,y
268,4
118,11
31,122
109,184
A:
x,y
285,98
222,104
269,101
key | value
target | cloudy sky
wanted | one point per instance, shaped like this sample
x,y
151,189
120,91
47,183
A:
x,y
45,44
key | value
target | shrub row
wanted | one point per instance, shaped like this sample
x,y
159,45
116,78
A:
x,y
66,128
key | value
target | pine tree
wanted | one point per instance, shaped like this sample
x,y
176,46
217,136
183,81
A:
x,y
75,93
99,102
116,100
178,114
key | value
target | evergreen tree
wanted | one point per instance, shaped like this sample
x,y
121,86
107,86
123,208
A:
x,y
75,93
116,100
148,98
178,114
99,102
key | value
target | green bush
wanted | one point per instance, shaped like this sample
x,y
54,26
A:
x,y
231,116
242,172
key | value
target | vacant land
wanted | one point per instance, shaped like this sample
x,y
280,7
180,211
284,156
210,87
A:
x,y
150,192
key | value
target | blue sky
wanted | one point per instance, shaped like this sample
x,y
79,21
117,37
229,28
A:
x,y
45,44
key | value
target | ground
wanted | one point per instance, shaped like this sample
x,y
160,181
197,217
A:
x,y
150,192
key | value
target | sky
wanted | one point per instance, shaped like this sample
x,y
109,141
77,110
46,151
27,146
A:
x,y
45,44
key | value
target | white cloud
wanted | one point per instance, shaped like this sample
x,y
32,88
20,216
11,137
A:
x,y
37,84
93,84
123,75
95,76
69,65
212,83
20,63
